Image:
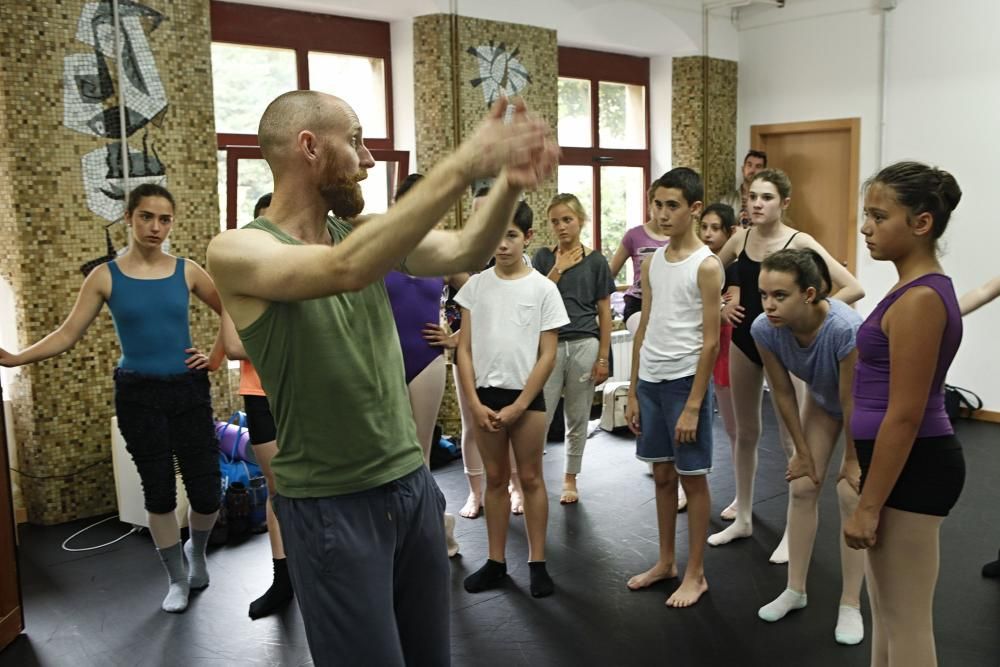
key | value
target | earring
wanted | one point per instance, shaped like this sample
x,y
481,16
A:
x,y
807,300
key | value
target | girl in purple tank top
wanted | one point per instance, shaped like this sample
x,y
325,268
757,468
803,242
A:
x,y
912,469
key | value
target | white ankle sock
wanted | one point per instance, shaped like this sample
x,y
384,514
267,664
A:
x,y
850,626
780,553
789,600
727,535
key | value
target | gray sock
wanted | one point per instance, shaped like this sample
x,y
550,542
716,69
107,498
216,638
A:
x,y
173,562
194,549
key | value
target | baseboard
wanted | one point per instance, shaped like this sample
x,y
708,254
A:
x,y
986,416
20,515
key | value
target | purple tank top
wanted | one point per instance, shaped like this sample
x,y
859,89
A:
x,y
871,376
415,302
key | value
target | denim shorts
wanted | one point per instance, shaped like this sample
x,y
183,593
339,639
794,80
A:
x,y
660,406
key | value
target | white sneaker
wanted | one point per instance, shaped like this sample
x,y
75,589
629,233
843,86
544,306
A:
x,y
682,499
449,535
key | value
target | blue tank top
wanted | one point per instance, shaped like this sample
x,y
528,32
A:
x,y
151,319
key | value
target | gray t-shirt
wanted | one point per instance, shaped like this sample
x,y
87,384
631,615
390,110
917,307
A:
x,y
581,288
818,364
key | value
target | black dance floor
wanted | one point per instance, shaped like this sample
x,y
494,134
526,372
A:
x,y
102,608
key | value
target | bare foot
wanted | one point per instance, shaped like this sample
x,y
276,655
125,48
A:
x,y
473,507
729,513
733,532
652,575
516,502
569,496
689,592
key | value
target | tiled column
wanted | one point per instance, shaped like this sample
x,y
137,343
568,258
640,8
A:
x,y
60,182
690,136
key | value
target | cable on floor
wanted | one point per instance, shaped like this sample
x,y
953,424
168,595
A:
x,y
134,529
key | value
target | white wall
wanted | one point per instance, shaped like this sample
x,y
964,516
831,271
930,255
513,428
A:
x,y
817,59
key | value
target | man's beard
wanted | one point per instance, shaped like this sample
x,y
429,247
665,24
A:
x,y
344,197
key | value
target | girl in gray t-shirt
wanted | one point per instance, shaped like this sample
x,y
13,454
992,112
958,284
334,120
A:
x,y
803,333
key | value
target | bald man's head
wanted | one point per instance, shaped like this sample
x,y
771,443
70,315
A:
x,y
293,112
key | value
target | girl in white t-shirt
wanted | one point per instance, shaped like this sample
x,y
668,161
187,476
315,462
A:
x,y
507,346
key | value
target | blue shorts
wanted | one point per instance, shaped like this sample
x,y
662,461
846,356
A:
x,y
660,406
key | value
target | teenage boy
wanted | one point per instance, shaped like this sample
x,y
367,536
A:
x,y
511,315
670,396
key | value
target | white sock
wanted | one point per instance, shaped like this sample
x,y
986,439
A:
x,y
733,532
780,554
789,600
449,535
850,627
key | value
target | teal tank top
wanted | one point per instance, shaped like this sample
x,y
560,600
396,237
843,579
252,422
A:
x,y
151,319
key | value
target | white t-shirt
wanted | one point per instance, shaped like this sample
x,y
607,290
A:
x,y
508,317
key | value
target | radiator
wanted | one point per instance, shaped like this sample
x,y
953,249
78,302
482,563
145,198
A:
x,y
621,350
128,487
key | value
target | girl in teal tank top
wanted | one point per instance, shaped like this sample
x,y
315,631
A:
x,y
162,398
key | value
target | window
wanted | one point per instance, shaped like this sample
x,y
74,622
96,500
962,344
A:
x,y
604,135
259,53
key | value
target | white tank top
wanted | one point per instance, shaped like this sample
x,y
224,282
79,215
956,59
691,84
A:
x,y
674,332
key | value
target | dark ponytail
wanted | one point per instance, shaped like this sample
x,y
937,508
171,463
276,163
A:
x,y
922,189
808,267
140,192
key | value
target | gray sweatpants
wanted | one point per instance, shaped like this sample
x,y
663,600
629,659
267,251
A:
x,y
571,379
371,574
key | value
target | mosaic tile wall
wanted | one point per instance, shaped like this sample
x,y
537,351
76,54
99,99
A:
x,y
60,172
493,58
689,97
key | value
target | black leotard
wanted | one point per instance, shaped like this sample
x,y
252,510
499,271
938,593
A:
x,y
749,273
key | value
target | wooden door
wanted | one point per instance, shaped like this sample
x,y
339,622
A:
x,y
11,618
821,159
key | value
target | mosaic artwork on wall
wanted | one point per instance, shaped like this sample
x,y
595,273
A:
x,y
88,88
500,71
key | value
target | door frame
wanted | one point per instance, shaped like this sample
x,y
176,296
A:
x,y
853,126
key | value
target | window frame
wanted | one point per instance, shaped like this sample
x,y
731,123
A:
x,y
302,32
596,67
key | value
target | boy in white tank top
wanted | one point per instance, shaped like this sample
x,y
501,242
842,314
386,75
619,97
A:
x,y
670,396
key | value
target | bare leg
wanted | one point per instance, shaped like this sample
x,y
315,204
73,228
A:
x,y
493,448
528,437
747,382
471,459
904,565
280,592
665,479
694,583
516,492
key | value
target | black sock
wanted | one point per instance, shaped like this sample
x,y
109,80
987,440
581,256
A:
x,y
277,596
992,569
541,582
488,576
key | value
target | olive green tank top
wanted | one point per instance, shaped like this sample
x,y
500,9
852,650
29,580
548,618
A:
x,y
332,369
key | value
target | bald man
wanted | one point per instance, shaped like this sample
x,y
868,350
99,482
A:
x,y
360,514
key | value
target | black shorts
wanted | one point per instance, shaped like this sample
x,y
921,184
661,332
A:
x,y
932,477
632,305
497,399
260,421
